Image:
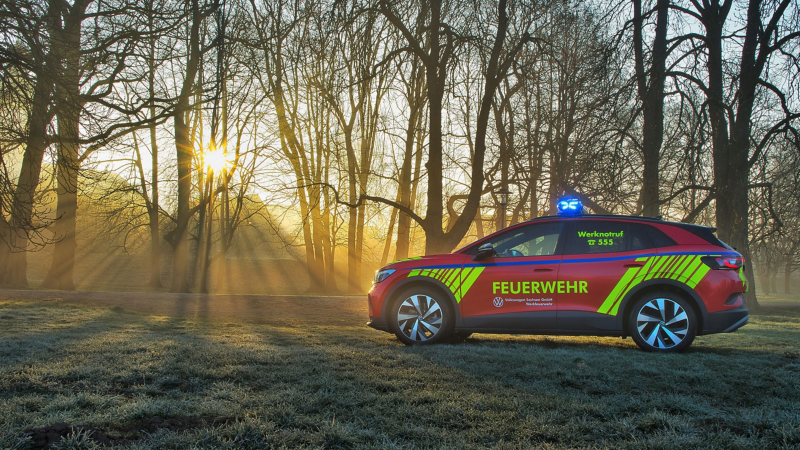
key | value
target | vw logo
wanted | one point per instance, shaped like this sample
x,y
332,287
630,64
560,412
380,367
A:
x,y
498,301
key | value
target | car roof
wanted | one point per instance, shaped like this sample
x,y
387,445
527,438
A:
x,y
653,220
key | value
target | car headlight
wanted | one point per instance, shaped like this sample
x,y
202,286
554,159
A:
x,y
382,274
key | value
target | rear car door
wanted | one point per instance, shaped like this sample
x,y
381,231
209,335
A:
x,y
517,289
600,259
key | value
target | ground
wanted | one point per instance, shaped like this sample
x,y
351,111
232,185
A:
x,y
82,370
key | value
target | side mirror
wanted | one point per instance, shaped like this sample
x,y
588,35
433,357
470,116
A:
x,y
485,251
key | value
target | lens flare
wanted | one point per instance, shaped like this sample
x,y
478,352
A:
x,y
215,160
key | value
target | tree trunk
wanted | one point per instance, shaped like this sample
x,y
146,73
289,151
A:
x,y
69,106
352,214
184,152
387,245
60,275
16,260
152,212
652,97
408,183
328,243
730,152
5,240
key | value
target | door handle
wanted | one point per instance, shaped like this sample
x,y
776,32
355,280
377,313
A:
x,y
542,270
633,265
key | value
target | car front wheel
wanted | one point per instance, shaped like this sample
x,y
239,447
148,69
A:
x,y
422,316
662,322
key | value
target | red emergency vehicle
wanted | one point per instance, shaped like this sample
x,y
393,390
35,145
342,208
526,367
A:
x,y
660,282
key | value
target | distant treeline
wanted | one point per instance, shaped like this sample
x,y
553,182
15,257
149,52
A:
x,y
351,133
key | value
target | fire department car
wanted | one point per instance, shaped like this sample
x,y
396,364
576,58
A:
x,y
660,282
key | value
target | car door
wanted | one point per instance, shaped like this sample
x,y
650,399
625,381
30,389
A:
x,y
517,288
600,259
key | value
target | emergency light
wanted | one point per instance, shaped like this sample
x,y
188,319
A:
x,y
569,205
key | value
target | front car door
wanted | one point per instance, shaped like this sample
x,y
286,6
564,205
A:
x,y
518,288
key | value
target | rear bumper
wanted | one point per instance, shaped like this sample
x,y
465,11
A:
x,y
726,321
378,323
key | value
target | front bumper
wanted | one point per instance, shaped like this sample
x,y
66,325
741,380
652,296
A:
x,y
726,321
378,323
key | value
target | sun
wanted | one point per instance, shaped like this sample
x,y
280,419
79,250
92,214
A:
x,y
216,160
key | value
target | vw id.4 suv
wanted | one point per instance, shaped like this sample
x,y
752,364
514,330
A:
x,y
660,282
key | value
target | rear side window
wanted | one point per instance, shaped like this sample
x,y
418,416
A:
x,y
590,237
638,238
658,238
707,234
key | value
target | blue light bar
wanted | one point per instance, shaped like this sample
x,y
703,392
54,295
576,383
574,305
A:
x,y
569,205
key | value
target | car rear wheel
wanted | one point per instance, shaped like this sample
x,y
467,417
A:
x,y
422,316
662,322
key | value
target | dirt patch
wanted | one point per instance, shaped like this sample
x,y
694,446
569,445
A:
x,y
46,437
266,309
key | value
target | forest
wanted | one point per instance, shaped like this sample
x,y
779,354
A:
x,y
204,145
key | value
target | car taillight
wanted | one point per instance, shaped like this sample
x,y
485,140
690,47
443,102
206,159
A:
x,y
723,262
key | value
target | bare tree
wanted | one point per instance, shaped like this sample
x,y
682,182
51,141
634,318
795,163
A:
x,y
767,31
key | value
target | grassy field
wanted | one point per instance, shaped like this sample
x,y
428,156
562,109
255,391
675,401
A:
x,y
77,376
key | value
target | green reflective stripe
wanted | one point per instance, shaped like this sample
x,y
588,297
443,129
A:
x,y
638,279
687,273
682,268
615,309
457,280
687,269
743,278
464,273
614,295
466,284
663,269
453,276
445,274
641,259
632,277
675,264
659,262
671,267
698,276
679,266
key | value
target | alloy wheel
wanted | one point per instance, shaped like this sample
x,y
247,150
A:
x,y
419,317
662,323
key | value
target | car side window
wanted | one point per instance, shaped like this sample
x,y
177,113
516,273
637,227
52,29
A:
x,y
531,240
638,238
658,238
590,237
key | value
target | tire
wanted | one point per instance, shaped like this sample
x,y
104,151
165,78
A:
x,y
662,322
422,316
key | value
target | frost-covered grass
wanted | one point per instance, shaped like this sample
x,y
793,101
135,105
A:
x,y
144,381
